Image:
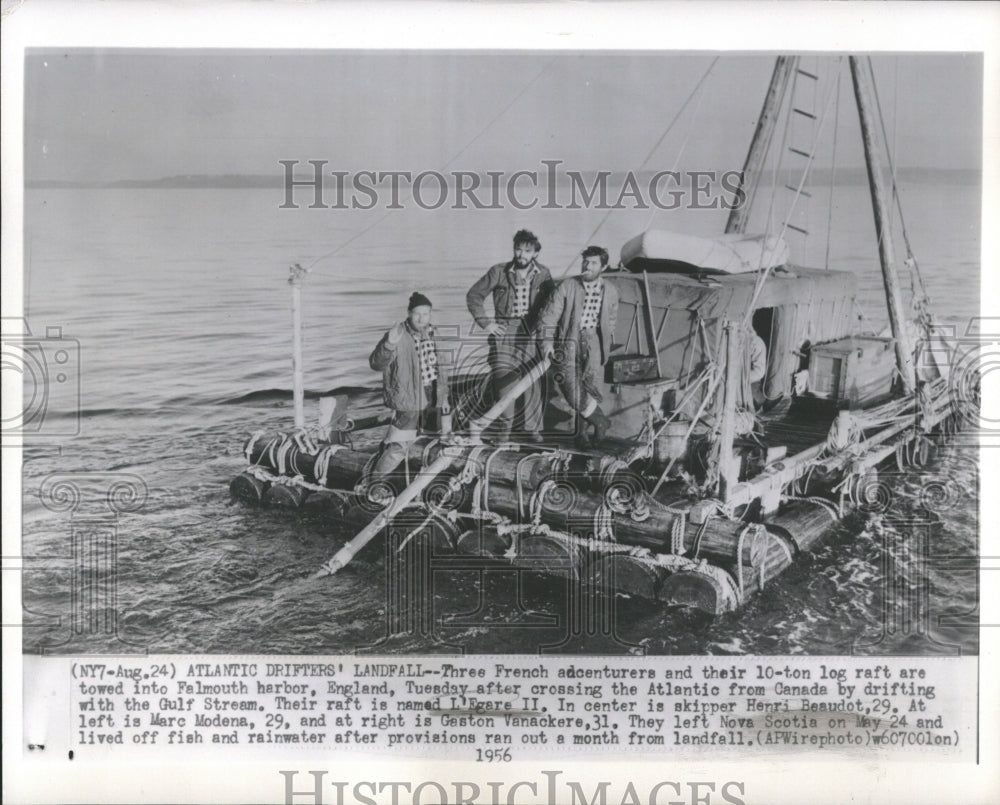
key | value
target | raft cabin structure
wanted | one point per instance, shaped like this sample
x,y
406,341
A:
x,y
696,497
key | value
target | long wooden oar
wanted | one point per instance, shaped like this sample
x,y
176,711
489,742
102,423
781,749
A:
x,y
477,426
345,554
428,474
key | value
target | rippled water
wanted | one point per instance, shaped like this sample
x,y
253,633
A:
x,y
179,303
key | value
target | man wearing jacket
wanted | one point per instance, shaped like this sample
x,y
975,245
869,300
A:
x,y
577,327
414,382
519,289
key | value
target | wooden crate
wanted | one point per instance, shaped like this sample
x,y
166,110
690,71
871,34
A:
x,y
852,372
630,368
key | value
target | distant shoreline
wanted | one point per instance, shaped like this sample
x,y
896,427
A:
x,y
275,181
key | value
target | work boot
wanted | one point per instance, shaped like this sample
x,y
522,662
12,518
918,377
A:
x,y
582,436
600,422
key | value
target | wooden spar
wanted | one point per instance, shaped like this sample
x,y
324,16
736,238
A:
x,y
477,426
653,340
296,273
383,518
426,476
728,470
783,69
880,207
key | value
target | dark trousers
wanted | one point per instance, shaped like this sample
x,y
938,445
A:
x,y
510,356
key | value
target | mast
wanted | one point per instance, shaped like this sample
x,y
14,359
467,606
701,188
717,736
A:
x,y
296,274
880,207
754,163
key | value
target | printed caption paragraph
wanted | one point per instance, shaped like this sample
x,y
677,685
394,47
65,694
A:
x,y
495,710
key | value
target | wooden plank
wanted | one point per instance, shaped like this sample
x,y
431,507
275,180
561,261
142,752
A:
x,y
654,340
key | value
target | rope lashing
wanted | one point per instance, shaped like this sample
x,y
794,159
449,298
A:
x,y
538,499
261,474
604,524
519,482
322,465
251,443
281,454
303,441
701,533
504,448
754,531
677,534
845,430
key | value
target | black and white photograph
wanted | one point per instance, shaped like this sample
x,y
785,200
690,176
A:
x,y
517,361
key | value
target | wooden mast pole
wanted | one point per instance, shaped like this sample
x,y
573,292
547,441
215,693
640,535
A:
x,y
880,207
735,358
754,164
296,273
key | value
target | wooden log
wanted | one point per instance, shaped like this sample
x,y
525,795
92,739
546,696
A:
x,y
344,469
629,575
248,489
437,531
719,541
284,496
482,541
329,504
535,467
802,523
572,511
768,565
694,589
550,554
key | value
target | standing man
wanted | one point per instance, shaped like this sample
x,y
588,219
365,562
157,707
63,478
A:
x,y
520,289
414,382
577,327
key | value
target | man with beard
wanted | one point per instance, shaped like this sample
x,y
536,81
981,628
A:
x,y
577,327
519,288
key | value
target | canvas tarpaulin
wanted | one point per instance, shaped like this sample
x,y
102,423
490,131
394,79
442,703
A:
x,y
688,313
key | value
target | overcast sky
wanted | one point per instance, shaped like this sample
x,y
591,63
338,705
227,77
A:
x,y
108,115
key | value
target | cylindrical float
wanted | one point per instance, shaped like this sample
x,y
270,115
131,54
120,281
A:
x,y
802,522
284,496
248,489
550,553
626,574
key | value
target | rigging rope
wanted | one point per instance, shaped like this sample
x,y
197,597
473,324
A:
x,y
763,275
911,261
833,169
652,151
461,151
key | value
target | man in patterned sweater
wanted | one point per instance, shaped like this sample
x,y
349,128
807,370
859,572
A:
x,y
519,289
414,382
577,327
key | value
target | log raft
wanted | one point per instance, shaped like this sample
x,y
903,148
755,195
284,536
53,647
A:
x,y
563,514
